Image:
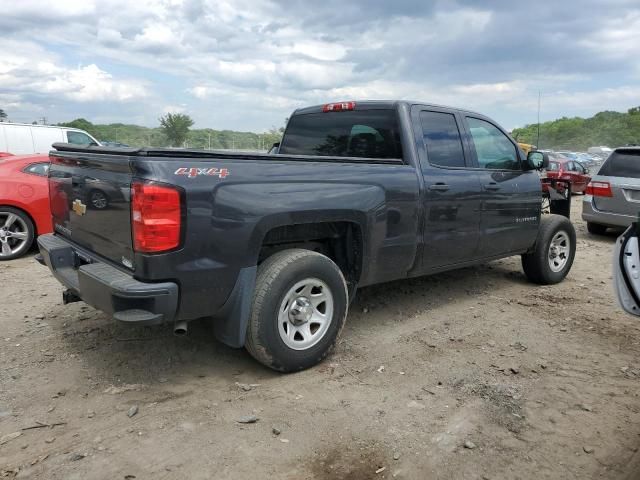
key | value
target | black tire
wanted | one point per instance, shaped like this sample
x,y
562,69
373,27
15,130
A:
x,y
596,228
537,264
277,275
21,224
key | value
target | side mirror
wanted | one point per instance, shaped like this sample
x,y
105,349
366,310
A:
x,y
537,160
586,170
626,260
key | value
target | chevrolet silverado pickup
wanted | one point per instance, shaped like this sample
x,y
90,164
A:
x,y
272,247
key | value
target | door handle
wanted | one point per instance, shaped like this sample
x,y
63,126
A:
x,y
492,186
439,187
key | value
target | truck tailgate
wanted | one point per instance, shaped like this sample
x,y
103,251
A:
x,y
90,203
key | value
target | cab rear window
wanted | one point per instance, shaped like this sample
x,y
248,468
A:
x,y
356,133
622,163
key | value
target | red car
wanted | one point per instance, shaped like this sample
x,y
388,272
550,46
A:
x,y
566,169
24,203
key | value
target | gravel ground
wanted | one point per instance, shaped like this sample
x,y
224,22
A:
x,y
473,374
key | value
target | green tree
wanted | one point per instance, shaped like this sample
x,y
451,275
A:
x,y
175,127
3,115
80,123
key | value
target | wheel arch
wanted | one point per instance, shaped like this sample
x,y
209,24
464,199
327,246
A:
x,y
342,239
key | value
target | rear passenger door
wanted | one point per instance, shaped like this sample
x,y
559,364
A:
x,y
451,189
511,197
579,177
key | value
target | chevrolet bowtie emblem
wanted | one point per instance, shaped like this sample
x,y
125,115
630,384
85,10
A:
x,y
79,207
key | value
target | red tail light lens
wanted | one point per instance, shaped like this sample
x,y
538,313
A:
x,y
599,189
155,217
339,107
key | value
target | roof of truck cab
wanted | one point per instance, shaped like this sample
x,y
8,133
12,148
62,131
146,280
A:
x,y
381,105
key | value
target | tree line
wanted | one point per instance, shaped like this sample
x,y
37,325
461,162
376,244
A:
x,y
609,128
175,131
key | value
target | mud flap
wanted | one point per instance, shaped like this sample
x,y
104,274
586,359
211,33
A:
x,y
230,324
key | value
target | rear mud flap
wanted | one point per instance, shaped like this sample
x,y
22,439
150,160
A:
x,y
230,324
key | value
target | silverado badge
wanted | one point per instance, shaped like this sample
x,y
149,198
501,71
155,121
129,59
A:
x,y
79,207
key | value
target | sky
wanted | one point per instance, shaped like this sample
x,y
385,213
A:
x,y
247,64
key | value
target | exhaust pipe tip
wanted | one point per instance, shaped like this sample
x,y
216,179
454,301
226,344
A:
x,y
180,329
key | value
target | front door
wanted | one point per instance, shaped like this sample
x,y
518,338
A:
x,y
511,196
452,190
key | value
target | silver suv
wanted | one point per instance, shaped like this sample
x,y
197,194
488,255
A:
x,y
612,198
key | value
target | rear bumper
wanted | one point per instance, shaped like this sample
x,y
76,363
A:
x,y
105,287
591,214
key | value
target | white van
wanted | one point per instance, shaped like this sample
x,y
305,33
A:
x,y
24,139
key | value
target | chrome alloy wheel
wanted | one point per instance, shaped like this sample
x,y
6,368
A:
x,y
305,314
99,200
559,251
14,234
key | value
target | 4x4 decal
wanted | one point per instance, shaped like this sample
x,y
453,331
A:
x,y
193,172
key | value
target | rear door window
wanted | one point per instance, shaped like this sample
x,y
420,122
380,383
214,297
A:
x,y
624,163
442,139
79,138
355,133
37,169
493,148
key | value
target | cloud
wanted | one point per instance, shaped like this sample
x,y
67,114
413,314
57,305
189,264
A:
x,y
39,73
174,109
245,64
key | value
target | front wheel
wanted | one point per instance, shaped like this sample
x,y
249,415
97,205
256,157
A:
x,y
555,249
299,307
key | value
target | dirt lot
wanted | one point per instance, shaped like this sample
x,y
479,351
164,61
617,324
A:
x,y
474,374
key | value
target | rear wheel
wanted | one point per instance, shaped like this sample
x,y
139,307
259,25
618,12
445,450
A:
x,y
299,307
16,233
596,228
98,199
553,255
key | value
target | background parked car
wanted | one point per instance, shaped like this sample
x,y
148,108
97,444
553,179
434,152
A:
x,y
25,139
24,203
563,168
603,151
613,195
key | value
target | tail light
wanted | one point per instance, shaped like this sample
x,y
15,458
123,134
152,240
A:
x,y
599,189
156,217
339,107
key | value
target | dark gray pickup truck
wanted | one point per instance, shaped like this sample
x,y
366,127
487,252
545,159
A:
x,y
273,247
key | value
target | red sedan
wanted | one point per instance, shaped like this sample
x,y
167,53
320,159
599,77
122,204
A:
x,y
24,203
566,169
